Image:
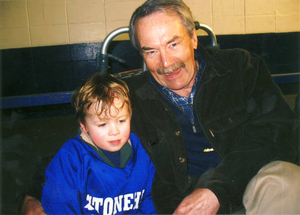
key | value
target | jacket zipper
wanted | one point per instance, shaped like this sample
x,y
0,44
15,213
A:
x,y
201,125
192,122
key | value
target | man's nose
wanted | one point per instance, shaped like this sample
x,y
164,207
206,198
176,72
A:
x,y
165,58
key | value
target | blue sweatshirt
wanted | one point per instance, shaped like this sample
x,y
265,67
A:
x,y
79,182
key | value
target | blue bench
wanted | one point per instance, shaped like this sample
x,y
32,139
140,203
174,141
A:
x,y
65,97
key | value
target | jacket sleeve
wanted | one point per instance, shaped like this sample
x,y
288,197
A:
x,y
60,195
37,180
259,128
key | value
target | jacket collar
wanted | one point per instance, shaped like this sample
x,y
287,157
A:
x,y
147,91
215,68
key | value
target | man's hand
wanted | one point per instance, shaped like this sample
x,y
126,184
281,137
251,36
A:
x,y
201,201
31,206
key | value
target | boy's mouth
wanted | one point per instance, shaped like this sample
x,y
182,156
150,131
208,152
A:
x,y
115,142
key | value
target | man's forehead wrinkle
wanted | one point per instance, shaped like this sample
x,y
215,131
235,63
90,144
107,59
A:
x,y
175,37
154,31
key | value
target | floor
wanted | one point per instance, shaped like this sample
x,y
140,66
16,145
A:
x,y
28,135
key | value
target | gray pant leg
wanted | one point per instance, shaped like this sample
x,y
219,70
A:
x,y
274,190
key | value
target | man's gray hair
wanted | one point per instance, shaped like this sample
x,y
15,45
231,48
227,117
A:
x,y
169,6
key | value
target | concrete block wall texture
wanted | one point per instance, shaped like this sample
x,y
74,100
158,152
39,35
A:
x,y
33,23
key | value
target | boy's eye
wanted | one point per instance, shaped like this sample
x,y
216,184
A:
x,y
122,120
102,125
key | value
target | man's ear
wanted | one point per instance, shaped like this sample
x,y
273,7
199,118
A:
x,y
195,39
83,128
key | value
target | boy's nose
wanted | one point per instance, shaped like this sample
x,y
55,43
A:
x,y
114,130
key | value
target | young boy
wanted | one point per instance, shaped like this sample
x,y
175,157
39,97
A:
x,y
105,169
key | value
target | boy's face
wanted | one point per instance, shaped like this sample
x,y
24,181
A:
x,y
108,132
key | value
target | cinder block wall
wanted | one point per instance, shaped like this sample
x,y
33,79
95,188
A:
x,y
33,23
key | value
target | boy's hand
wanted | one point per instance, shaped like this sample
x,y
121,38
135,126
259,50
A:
x,y
31,206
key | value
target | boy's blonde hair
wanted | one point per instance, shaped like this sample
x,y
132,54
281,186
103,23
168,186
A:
x,y
100,90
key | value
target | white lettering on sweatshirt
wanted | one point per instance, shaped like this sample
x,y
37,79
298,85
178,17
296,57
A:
x,y
114,205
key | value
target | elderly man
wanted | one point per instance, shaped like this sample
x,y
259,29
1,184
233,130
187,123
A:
x,y
211,120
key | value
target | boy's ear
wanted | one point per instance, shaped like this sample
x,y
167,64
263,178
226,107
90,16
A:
x,y
83,129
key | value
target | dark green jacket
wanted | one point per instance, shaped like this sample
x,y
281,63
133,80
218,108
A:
x,y
243,115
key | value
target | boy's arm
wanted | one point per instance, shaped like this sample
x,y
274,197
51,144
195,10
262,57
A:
x,y
147,206
60,191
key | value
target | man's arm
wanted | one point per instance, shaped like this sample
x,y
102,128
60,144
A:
x,y
201,201
32,206
257,129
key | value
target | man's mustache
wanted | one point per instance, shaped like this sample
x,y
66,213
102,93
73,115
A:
x,y
170,69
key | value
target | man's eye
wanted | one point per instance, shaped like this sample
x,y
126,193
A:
x,y
174,44
150,52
